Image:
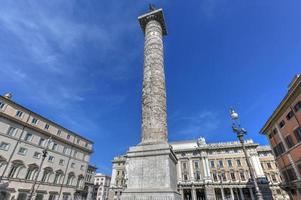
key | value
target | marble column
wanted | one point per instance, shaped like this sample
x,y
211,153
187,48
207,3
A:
x,y
193,193
223,193
232,194
204,167
207,167
191,170
251,193
241,194
181,192
154,117
179,171
151,165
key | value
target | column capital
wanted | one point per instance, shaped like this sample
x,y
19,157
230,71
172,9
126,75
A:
x,y
156,15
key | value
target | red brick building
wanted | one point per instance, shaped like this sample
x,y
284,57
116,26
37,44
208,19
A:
x,y
283,130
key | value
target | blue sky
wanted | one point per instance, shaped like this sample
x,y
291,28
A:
x,y
80,64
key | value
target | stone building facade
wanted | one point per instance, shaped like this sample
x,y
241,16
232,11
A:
x,y
220,166
118,178
101,186
283,130
23,137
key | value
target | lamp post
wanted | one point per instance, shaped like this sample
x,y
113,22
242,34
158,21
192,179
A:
x,y
44,155
240,135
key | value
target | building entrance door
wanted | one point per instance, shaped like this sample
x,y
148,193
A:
x,y
200,194
187,194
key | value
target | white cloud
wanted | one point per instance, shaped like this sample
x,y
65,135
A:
x,y
52,56
201,123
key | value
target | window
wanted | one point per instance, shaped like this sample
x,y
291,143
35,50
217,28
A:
x,y
61,162
70,179
11,131
19,113
229,163
238,163
22,151
297,133
68,136
212,163
54,146
291,174
215,177
223,175
221,164
269,165
184,165
198,176
50,159
22,196
290,115
242,176
78,141
297,107
73,165
232,176
39,197
28,137
64,150
37,155
59,132
196,164
4,146
275,131
52,197
42,142
289,141
86,145
46,126
34,121
278,149
274,178
65,196
58,176
185,177
30,173
74,153
281,124
1,105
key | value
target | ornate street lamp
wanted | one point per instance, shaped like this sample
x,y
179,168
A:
x,y
240,135
44,155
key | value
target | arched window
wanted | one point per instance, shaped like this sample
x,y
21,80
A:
x,y
297,106
31,172
70,178
80,181
58,176
16,166
46,174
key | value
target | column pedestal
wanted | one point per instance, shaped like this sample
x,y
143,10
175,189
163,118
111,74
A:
x,y
151,172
